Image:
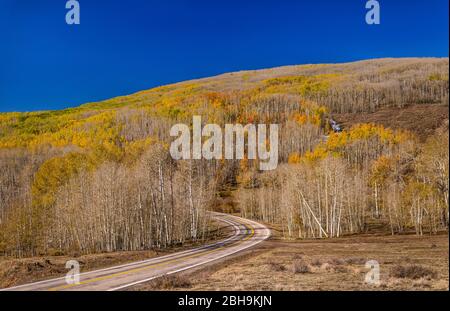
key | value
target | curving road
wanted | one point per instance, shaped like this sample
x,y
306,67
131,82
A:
x,y
247,234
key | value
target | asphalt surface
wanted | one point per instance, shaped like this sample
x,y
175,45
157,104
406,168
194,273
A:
x,y
246,234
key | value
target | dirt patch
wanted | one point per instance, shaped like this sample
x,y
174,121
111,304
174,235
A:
x,y
422,120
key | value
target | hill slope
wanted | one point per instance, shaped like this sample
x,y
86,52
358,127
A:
x,y
99,177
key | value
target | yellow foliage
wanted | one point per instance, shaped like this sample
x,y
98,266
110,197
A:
x,y
438,77
381,169
300,118
303,85
318,153
310,112
54,173
294,158
366,131
133,150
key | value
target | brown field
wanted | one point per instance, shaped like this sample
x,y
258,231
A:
x,y
407,262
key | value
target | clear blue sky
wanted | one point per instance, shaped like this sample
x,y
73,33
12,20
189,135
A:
x,y
123,46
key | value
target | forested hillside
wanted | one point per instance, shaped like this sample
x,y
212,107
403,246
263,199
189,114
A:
x,y
99,177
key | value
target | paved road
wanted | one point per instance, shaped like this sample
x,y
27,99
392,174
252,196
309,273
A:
x,y
247,234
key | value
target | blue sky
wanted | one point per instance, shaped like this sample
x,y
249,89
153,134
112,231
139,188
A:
x,y
122,47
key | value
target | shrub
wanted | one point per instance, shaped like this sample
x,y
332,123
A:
x,y
355,261
299,266
412,272
341,269
172,281
275,266
336,262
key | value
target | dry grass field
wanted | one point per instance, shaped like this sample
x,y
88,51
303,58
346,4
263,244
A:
x,y
407,262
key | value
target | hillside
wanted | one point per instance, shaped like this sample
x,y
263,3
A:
x,y
99,177
364,86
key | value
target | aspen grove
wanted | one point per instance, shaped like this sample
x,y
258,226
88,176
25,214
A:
x,y
100,178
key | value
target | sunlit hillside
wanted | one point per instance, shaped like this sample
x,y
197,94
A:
x,y
99,177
